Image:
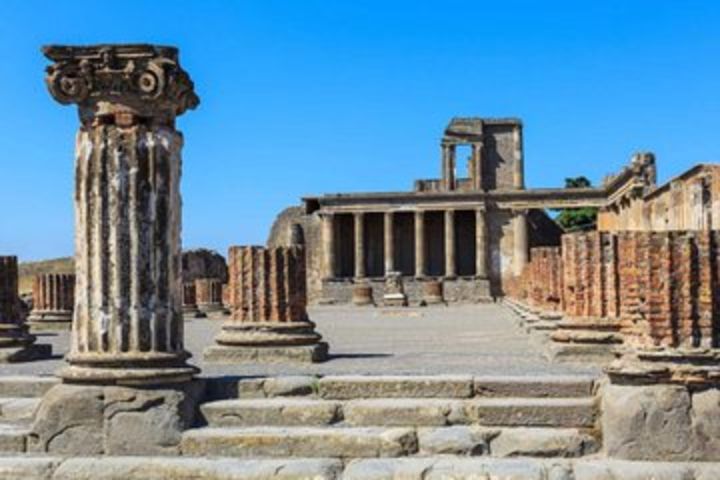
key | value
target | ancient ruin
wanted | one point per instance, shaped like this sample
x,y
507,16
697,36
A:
x,y
53,302
128,319
16,344
268,319
535,354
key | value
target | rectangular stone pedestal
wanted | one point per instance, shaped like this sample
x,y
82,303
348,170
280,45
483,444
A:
x,y
25,354
395,300
286,354
580,352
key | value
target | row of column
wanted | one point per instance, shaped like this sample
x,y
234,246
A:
x,y
481,243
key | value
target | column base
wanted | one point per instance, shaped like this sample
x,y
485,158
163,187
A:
x,y
128,369
697,368
50,321
273,354
362,294
395,300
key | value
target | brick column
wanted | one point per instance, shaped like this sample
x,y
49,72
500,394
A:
x,y
208,295
328,239
128,325
389,243
359,245
420,244
268,320
53,302
16,344
450,263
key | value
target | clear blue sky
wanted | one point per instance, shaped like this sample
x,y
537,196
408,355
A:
x,y
303,97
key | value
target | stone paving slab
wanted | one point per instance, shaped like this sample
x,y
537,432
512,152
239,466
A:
x,y
460,339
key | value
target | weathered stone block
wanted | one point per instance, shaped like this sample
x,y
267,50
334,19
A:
x,y
90,420
647,422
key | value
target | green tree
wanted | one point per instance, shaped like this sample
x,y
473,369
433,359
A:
x,y
582,218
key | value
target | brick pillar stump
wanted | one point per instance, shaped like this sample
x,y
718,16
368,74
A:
x,y
190,307
268,320
128,324
53,302
208,295
16,344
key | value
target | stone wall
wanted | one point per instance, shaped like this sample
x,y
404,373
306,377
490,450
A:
x,y
543,279
690,201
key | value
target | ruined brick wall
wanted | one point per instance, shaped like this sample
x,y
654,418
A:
x,y
590,276
670,288
541,279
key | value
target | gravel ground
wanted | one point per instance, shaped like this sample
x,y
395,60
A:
x,y
473,339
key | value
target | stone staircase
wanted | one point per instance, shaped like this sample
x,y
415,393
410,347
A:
x,y
397,416
19,397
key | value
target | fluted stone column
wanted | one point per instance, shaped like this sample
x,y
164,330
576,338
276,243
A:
x,y
520,242
448,164
53,302
420,263
328,239
128,326
16,344
450,263
477,161
208,295
359,245
389,243
268,320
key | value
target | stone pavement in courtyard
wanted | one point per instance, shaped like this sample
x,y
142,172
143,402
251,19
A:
x,y
478,339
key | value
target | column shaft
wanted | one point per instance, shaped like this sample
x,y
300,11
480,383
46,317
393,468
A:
x,y
450,263
420,244
477,160
389,243
359,245
480,244
520,236
328,224
518,165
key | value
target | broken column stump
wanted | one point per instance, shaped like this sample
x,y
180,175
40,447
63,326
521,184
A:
x,y
269,320
53,302
362,294
16,343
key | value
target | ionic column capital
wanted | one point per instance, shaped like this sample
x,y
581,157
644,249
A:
x,y
122,82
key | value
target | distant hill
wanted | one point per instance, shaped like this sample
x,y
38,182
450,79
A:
x,y
28,270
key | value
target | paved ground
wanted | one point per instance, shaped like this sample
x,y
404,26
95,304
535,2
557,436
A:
x,y
477,339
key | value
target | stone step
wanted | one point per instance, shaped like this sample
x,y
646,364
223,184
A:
x,y
428,468
272,412
26,386
299,442
358,442
13,438
401,412
451,386
18,409
536,412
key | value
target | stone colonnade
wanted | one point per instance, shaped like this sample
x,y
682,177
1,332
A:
x,y
53,301
449,264
268,319
128,326
16,344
